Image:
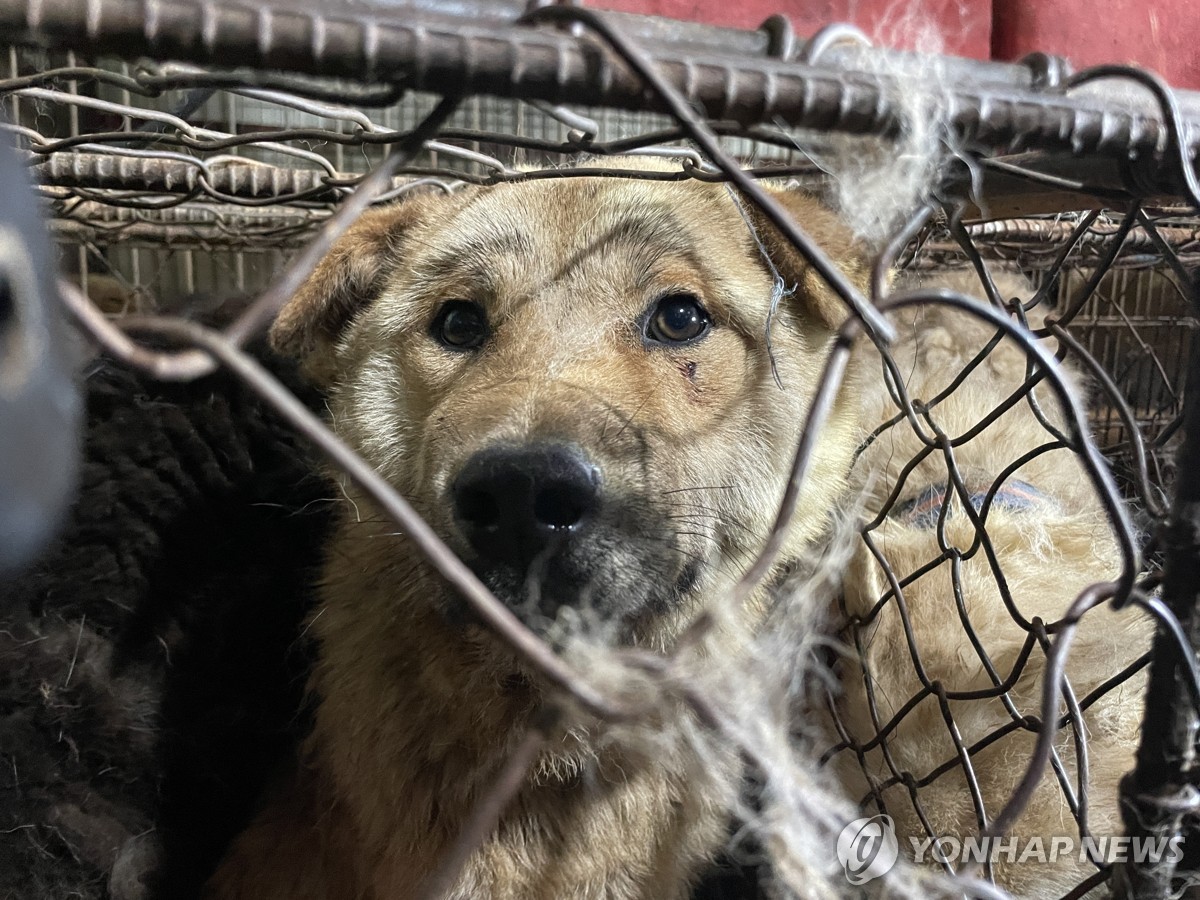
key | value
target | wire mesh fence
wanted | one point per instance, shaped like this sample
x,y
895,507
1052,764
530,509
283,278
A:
x,y
999,519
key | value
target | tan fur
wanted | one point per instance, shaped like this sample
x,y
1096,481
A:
x,y
416,708
1048,554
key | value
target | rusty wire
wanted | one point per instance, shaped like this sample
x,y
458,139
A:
x,y
177,169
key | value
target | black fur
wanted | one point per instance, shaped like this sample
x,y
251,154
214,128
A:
x,y
174,598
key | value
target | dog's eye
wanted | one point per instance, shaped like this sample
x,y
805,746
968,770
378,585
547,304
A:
x,y
460,325
677,319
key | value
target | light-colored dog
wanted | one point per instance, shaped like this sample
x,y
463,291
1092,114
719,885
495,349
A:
x,y
571,381
1048,538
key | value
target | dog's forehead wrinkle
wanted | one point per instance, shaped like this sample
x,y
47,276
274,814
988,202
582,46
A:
x,y
624,255
476,249
576,213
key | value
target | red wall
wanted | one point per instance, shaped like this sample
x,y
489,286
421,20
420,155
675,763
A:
x,y
1163,35
965,27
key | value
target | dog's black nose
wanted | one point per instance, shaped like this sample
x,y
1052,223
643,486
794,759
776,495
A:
x,y
516,503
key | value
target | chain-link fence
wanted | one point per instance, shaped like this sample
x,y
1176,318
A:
x,y
1024,523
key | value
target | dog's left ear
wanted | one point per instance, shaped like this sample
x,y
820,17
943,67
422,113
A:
x,y
830,233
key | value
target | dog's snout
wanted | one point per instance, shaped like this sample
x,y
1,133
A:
x,y
515,503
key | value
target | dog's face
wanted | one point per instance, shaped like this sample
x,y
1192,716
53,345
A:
x,y
571,379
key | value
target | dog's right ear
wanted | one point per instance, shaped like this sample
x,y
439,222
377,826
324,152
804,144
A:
x,y
344,283
828,230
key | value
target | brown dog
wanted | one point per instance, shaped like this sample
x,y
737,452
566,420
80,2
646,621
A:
x,y
571,380
1048,538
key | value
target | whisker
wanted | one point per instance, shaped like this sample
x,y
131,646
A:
x,y
674,546
699,534
724,519
700,509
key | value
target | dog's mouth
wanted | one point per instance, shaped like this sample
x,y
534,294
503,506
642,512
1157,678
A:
x,y
615,582
552,582
608,582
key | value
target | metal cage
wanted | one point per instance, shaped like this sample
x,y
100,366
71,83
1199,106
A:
x,y
197,157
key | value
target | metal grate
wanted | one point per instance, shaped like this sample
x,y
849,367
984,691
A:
x,y
174,187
